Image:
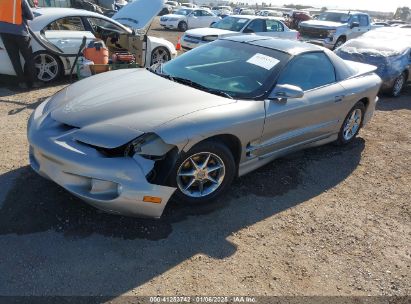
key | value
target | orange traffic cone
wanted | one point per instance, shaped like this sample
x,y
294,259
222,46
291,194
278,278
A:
x,y
178,45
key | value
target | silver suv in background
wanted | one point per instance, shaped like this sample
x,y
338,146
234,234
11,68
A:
x,y
333,28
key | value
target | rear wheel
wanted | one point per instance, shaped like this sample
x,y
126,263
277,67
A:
x,y
398,85
48,66
182,26
352,124
159,55
204,173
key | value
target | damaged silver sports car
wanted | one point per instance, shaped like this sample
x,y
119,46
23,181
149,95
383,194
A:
x,y
127,141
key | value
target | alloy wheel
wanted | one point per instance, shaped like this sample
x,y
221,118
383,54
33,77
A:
x,y
159,55
200,174
47,67
352,124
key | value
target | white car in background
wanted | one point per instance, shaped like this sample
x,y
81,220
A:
x,y
237,25
270,13
62,30
188,18
189,5
222,10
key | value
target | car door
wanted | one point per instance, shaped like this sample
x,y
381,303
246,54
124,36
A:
x,y
6,67
364,24
208,18
297,121
356,31
194,20
273,28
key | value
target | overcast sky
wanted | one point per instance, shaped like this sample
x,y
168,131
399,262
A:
x,y
374,5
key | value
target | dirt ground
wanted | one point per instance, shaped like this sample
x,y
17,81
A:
x,y
325,221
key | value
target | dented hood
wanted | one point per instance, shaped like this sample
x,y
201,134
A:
x,y
134,99
139,13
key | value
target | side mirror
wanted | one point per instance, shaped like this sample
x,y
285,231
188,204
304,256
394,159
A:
x,y
354,24
285,91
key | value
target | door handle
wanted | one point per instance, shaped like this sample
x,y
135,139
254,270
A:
x,y
339,98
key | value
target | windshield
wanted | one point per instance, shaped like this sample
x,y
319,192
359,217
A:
x,y
231,24
183,12
238,69
334,17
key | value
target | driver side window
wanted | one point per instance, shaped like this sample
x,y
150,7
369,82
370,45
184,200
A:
x,y
309,71
197,13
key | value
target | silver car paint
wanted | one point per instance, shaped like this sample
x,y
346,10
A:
x,y
62,129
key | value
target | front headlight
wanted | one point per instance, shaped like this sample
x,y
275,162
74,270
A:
x,y
210,38
148,145
331,33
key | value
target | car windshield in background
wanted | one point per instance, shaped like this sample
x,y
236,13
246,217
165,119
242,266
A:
x,y
231,24
334,17
237,69
183,12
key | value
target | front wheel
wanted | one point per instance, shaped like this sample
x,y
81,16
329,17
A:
x,y
182,26
204,173
339,42
352,124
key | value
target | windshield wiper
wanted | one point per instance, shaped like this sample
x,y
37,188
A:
x,y
199,86
190,83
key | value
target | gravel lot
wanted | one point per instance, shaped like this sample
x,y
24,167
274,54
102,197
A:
x,y
325,221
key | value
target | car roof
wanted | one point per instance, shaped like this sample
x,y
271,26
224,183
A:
x,y
58,11
283,45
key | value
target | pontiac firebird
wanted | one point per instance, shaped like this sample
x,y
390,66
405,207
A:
x,y
126,141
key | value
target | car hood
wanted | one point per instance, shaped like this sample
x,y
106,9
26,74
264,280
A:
x,y
322,24
139,14
133,98
207,31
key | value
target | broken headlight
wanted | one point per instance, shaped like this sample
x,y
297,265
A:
x,y
148,145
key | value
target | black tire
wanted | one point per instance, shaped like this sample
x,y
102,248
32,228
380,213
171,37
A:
x,y
57,70
398,85
340,41
224,154
182,26
343,140
212,23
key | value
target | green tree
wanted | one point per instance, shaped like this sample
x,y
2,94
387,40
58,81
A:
x,y
403,13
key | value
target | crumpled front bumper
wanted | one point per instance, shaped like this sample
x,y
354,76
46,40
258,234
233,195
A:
x,y
113,184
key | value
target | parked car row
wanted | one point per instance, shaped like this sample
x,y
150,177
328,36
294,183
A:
x,y
58,34
235,25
